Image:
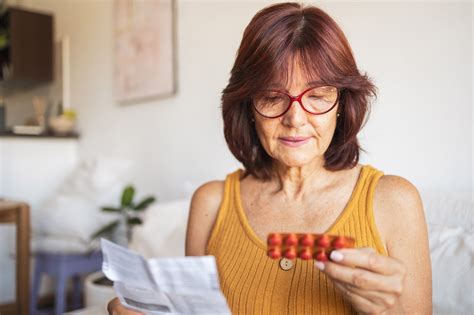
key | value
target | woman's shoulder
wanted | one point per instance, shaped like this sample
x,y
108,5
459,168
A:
x,y
209,193
396,203
396,190
393,188
203,212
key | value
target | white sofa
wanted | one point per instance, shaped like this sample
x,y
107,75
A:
x,y
452,252
450,234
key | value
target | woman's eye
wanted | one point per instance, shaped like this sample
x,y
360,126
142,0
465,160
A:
x,y
272,98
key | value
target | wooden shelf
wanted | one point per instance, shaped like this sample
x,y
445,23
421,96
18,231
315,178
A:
x,y
9,134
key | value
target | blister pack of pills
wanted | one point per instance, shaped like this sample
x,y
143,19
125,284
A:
x,y
305,245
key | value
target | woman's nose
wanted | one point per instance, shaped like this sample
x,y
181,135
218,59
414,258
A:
x,y
295,116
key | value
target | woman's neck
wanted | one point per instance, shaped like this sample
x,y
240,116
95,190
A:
x,y
296,181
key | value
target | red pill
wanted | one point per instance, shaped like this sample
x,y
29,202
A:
x,y
323,241
274,253
320,255
350,242
339,242
291,240
307,240
290,253
274,239
306,254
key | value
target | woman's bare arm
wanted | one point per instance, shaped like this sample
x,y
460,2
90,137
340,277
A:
x,y
399,214
203,212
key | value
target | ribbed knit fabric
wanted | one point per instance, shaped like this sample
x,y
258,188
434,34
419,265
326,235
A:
x,y
255,284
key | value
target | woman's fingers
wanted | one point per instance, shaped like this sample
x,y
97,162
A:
x,y
371,282
353,297
367,258
114,307
363,279
111,305
375,297
373,304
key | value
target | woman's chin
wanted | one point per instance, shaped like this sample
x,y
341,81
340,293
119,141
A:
x,y
295,161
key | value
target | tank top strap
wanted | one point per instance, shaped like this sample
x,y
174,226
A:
x,y
367,201
224,208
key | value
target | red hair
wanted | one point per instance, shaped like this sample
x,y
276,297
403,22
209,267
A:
x,y
276,37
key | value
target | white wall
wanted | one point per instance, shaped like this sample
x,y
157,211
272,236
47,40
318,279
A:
x,y
30,170
420,55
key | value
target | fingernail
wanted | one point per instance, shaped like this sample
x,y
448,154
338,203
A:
x,y
319,265
336,256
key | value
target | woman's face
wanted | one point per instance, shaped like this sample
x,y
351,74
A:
x,y
297,138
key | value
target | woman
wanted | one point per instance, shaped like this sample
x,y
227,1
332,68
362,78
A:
x,y
292,110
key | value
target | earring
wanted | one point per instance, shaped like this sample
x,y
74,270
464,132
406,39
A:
x,y
338,114
253,119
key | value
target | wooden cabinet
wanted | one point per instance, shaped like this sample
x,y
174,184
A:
x,y
19,214
26,46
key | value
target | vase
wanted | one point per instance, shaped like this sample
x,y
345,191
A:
x,y
96,294
121,233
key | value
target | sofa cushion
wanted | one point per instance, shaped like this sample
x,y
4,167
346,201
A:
x,y
449,220
448,210
452,257
73,212
163,231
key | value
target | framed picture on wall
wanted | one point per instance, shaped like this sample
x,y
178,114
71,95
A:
x,y
144,49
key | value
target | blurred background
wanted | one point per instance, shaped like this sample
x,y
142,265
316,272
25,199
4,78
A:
x,y
79,119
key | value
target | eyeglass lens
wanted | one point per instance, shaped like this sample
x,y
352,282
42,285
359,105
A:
x,y
316,100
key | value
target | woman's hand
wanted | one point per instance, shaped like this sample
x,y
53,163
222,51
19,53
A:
x,y
372,283
114,307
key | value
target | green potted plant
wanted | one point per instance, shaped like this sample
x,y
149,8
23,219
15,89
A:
x,y
119,230
127,215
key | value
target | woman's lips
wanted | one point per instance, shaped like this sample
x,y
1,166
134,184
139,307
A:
x,y
294,141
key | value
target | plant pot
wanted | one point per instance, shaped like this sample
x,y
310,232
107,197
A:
x,y
97,292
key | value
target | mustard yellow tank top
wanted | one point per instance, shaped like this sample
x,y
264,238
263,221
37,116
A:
x,y
255,284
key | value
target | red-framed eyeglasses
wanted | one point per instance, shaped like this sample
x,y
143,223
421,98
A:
x,y
316,100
